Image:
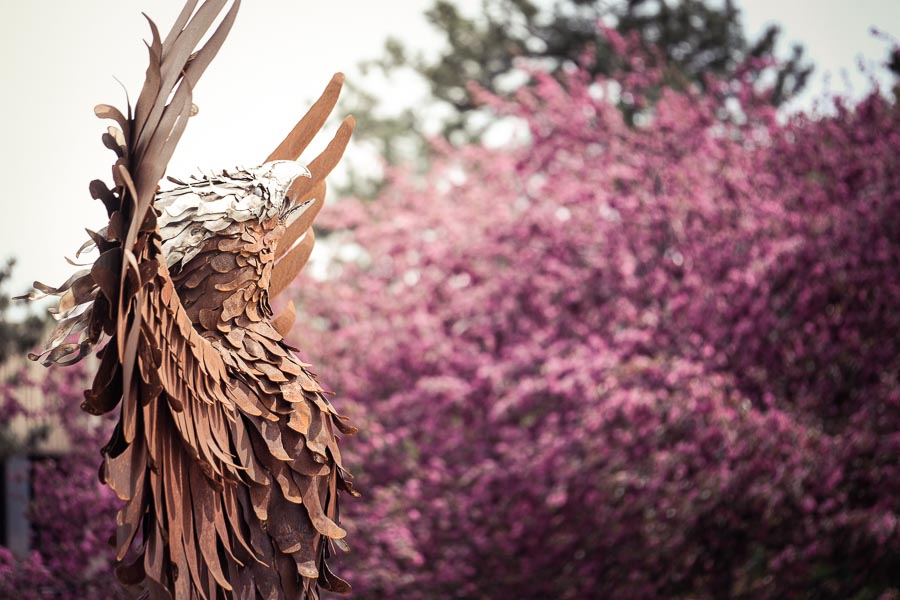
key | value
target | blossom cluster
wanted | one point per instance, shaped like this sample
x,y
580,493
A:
x,y
621,360
71,514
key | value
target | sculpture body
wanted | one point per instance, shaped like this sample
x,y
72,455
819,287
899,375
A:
x,y
225,451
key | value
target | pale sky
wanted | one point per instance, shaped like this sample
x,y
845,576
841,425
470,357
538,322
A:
x,y
59,59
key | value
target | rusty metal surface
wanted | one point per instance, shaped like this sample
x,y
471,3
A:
x,y
226,449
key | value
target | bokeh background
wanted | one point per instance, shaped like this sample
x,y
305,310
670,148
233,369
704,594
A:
x,y
611,288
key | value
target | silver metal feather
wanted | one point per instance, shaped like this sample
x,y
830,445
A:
x,y
198,208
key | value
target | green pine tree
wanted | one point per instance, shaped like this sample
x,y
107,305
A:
x,y
696,37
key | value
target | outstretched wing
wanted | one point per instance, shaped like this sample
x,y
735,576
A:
x,y
225,487
296,245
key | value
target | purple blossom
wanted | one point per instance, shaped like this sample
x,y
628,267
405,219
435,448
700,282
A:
x,y
630,362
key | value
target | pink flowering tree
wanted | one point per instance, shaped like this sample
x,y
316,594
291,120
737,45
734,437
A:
x,y
628,362
72,515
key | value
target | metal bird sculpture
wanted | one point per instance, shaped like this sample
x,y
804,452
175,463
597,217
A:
x,y
225,452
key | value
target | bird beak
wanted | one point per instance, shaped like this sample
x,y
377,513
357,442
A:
x,y
295,211
283,173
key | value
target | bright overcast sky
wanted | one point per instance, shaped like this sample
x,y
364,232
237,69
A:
x,y
59,59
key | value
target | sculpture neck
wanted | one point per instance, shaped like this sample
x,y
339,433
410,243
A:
x,y
226,285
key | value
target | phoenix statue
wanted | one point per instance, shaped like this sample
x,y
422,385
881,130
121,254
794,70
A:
x,y
225,452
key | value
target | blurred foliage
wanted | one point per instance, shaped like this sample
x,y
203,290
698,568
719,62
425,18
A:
x,y
72,515
626,360
696,38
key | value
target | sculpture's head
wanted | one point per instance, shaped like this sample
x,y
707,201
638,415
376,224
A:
x,y
206,206
275,179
